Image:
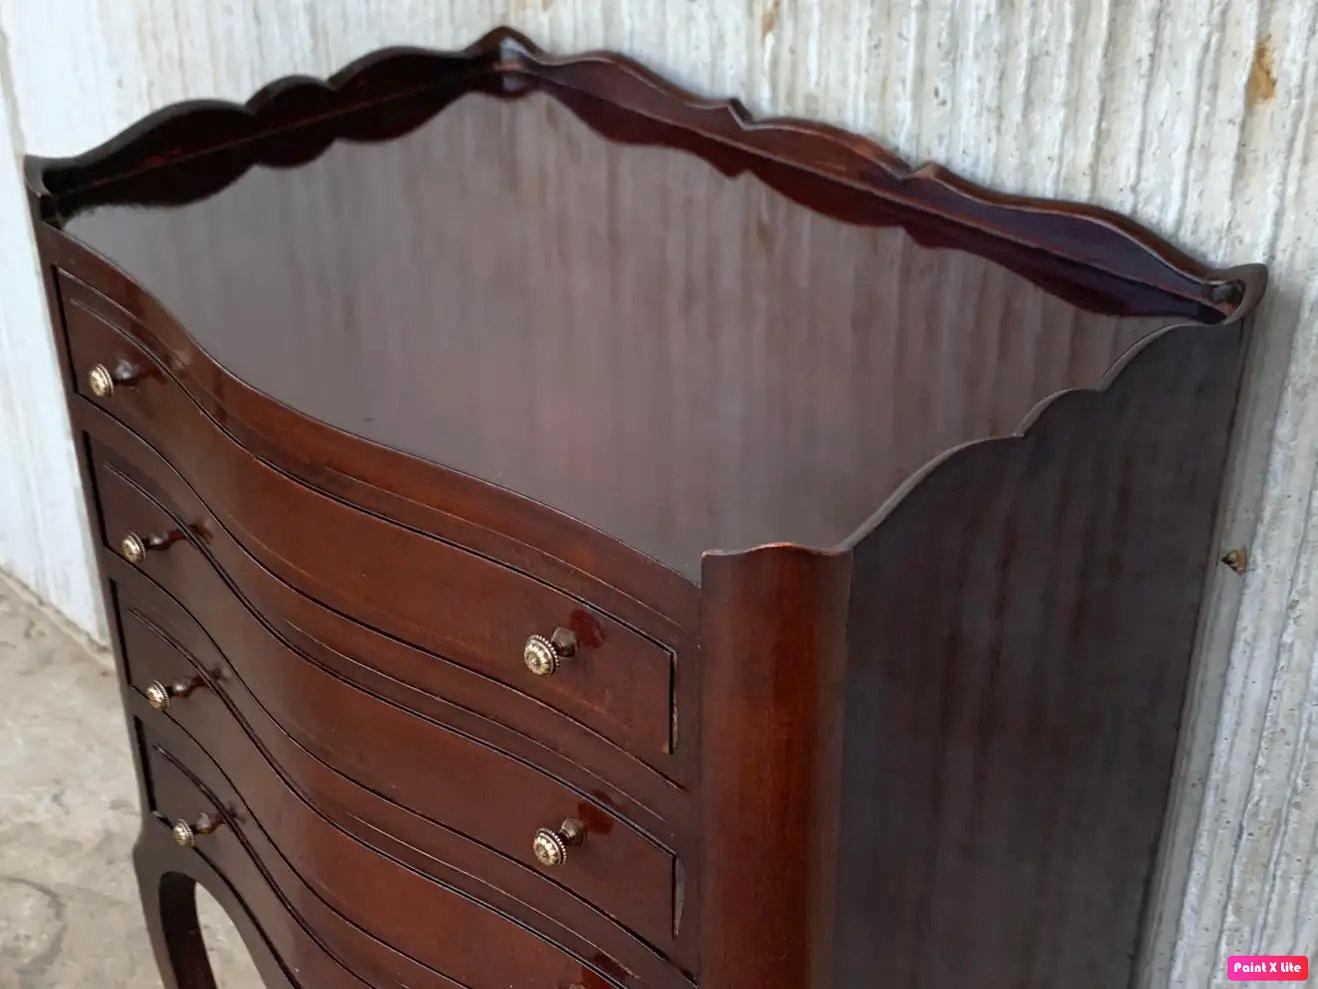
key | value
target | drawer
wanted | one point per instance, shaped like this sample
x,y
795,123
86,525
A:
x,y
372,917
137,491
219,716
446,776
226,864
462,606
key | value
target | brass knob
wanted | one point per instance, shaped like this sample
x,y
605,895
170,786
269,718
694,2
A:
x,y
159,696
550,846
100,381
133,547
185,834
543,656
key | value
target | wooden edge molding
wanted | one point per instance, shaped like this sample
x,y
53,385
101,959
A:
x,y
1049,408
1060,245
1040,417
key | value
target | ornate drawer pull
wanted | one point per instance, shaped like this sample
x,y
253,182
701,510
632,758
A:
x,y
101,380
185,834
551,846
133,547
158,695
543,656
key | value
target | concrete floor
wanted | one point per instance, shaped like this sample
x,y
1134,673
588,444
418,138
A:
x,y
69,914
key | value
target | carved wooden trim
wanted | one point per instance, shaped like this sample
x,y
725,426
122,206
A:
x,y
1088,255
1053,406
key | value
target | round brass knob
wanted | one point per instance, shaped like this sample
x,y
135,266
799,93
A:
x,y
550,846
185,834
132,548
159,696
100,381
543,656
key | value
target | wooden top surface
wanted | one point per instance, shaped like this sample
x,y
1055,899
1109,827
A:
x,y
684,358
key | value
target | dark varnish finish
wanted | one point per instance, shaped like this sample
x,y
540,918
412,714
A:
x,y
425,591
1019,640
138,491
770,770
163,642
378,916
636,376
490,798
879,504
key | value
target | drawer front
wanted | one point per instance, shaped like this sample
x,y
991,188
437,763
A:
x,y
385,925
444,775
299,950
464,607
216,713
131,478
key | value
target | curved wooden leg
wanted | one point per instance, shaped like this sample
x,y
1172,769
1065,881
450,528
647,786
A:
x,y
168,877
169,900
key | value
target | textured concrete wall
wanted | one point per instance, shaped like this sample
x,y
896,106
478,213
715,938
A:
x,y
1195,116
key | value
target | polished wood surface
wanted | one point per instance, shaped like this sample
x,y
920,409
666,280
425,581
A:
x,y
168,877
448,505
163,641
1020,637
425,591
389,371
343,913
773,748
299,952
485,796
438,773
414,680
383,916
695,363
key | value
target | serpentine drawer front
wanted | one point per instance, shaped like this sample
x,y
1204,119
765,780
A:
x,y
453,602
560,533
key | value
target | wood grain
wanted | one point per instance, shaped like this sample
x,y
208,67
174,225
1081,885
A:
x,y
1163,154
216,715
440,774
708,416
426,591
408,906
1021,633
409,677
1137,105
775,656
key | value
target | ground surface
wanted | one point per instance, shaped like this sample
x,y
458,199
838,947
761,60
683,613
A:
x,y
69,914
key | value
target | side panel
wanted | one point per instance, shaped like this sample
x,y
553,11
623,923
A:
x,y
1021,629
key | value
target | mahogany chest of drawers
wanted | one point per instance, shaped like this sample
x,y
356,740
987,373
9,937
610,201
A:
x,y
562,533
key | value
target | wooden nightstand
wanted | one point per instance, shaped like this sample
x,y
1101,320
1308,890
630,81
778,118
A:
x,y
561,532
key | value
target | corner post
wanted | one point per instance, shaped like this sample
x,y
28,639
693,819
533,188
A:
x,y
773,629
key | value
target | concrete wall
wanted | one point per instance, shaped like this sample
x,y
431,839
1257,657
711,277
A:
x,y
1195,116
